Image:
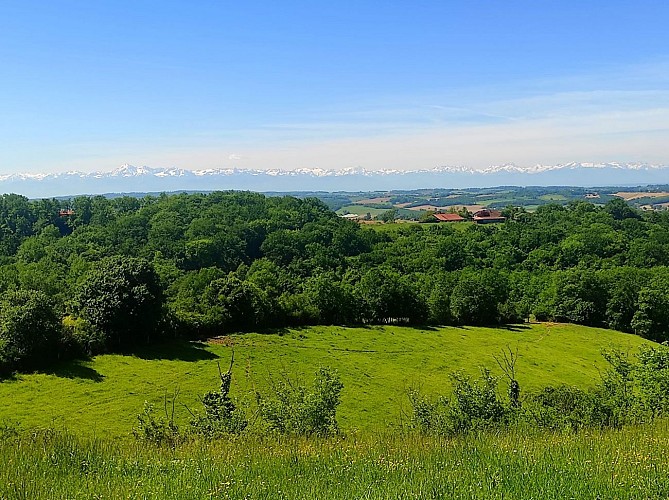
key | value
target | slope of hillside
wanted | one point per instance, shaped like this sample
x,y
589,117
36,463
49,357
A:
x,y
104,395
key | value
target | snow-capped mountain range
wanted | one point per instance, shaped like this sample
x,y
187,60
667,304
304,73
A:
x,y
128,178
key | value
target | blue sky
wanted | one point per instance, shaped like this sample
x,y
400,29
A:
x,y
91,85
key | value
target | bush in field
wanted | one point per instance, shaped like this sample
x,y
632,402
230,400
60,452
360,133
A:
x,y
476,404
30,330
652,378
296,409
630,392
155,429
561,407
429,416
235,304
81,338
221,415
617,400
473,405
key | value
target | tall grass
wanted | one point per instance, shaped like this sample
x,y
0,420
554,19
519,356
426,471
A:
x,y
628,463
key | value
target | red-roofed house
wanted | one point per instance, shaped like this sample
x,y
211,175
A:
x,y
486,216
448,217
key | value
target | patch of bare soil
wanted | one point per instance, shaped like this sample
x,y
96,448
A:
x,y
627,196
222,340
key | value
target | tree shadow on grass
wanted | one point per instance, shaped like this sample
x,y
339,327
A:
x,y
178,350
74,370
514,328
285,330
423,328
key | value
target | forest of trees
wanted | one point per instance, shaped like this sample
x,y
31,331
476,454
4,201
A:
x,y
119,272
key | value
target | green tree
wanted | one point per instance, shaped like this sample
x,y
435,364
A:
x,y
620,209
580,297
30,330
388,297
122,299
389,215
239,305
333,299
477,296
651,319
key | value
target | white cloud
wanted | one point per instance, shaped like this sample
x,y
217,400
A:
x,y
616,117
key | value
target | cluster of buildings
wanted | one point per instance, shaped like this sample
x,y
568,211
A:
x,y
484,216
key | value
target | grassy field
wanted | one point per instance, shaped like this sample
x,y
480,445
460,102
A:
x,y
362,210
553,197
104,395
373,211
631,463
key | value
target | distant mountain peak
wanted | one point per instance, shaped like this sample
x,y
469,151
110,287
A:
x,y
130,178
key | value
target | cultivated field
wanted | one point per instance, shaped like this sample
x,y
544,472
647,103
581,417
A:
x,y
634,195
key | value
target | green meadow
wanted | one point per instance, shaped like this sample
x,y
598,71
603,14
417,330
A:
x,y
102,396
632,463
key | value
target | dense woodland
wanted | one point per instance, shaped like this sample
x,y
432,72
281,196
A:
x,y
108,274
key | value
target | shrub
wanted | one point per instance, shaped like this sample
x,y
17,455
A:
x,y
221,415
473,405
558,407
429,416
294,409
652,376
630,392
157,430
476,404
81,338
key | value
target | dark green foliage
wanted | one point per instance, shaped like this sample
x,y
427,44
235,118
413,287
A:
x,y
651,317
221,415
332,301
235,304
652,379
30,330
560,407
476,404
620,209
292,408
389,297
477,297
230,261
121,298
579,298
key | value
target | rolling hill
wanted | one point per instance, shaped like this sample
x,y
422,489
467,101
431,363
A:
x,y
377,365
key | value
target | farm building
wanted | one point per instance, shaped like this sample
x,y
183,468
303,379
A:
x,y
486,216
448,217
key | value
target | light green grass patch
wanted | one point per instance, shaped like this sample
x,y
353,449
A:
x,y
361,210
377,365
553,197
